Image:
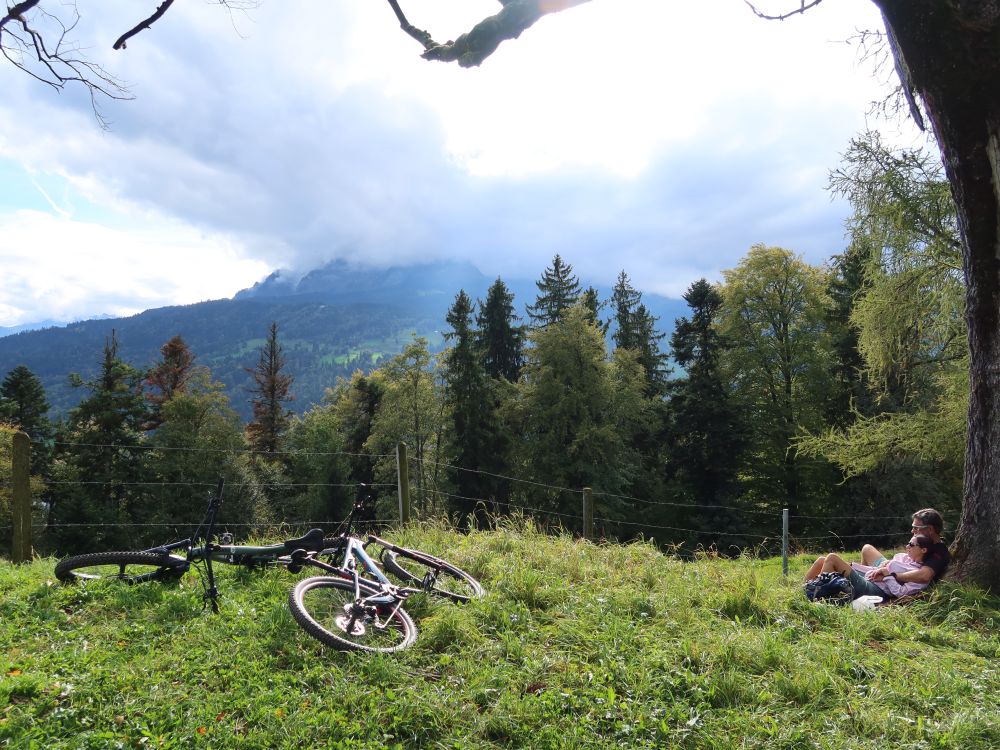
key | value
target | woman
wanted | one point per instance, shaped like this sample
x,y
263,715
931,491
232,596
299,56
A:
x,y
884,575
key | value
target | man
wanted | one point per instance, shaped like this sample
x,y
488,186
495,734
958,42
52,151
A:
x,y
927,522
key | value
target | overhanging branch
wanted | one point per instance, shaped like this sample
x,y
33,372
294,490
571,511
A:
x,y
803,7
164,7
482,40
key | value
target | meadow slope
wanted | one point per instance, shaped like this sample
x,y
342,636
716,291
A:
x,y
576,645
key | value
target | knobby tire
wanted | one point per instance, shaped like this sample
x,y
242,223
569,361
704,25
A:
x,y
412,568
322,606
128,567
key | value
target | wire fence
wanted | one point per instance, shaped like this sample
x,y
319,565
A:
x,y
686,528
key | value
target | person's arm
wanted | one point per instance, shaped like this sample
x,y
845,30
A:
x,y
924,574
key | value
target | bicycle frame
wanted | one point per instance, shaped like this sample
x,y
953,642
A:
x,y
200,548
232,554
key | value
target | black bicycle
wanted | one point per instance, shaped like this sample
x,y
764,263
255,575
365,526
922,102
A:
x,y
354,607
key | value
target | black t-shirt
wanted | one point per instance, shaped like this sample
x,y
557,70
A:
x,y
937,558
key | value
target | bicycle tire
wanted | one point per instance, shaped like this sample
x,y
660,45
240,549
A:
x,y
434,575
320,605
132,567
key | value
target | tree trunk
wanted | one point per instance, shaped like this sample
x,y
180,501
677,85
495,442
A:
x,y
950,51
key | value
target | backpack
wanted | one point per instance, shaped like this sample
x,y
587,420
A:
x,y
831,588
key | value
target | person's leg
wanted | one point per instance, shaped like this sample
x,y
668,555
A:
x,y
837,564
864,587
816,568
871,556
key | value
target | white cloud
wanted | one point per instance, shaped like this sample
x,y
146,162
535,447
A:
x,y
660,137
58,268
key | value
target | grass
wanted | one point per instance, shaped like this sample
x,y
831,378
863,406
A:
x,y
576,645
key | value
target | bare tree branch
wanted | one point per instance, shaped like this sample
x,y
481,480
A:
x,y
803,7
482,41
17,11
164,7
37,43
419,34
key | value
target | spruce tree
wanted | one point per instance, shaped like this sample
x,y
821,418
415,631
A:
x,y
706,436
635,329
499,338
625,300
558,290
101,466
23,404
468,399
592,303
271,390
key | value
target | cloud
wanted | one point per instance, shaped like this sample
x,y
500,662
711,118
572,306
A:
x,y
620,134
127,269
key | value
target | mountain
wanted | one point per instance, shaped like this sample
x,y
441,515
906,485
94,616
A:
x,y
39,324
331,321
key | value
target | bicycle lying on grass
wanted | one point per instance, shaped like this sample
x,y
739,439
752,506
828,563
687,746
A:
x,y
354,607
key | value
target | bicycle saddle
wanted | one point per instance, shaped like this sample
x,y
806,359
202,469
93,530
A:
x,y
312,540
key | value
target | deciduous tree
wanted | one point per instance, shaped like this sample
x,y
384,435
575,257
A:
x,y
774,314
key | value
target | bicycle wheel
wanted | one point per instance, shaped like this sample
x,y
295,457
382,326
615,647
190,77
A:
x,y
130,567
327,610
431,574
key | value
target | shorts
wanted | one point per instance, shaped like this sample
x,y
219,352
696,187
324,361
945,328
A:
x,y
864,587
878,563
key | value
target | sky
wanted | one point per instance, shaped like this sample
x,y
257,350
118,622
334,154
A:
x,y
659,138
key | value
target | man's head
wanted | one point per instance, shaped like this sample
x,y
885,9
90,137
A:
x,y
928,521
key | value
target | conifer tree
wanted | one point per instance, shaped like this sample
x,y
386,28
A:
x,y
635,329
625,300
101,466
271,391
24,405
705,436
468,398
558,290
168,377
499,338
593,304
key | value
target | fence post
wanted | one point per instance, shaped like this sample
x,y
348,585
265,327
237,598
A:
x,y
403,482
20,466
588,513
784,542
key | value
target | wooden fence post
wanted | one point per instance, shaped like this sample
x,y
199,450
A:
x,y
403,481
20,465
588,513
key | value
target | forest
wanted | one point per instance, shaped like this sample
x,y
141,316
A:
x,y
838,391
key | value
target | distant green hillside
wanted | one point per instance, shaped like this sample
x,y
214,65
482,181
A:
x,y
320,343
331,321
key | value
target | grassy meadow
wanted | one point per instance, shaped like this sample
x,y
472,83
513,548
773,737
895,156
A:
x,y
576,645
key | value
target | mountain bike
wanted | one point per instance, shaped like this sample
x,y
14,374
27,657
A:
x,y
343,609
320,602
